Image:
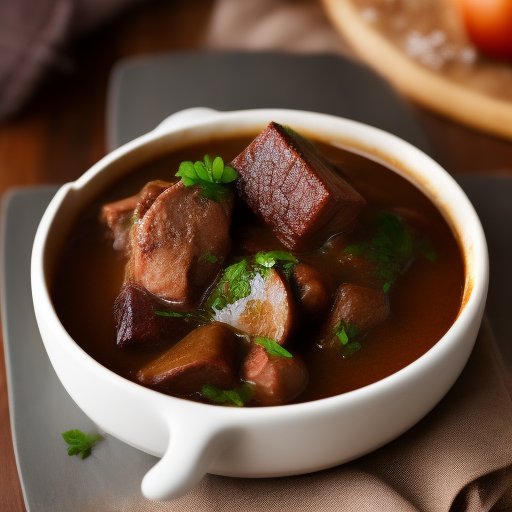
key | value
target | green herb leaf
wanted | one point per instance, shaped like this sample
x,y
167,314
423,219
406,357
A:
x,y
232,397
172,314
233,285
209,257
391,248
80,443
217,169
229,174
346,332
272,347
270,258
210,175
351,348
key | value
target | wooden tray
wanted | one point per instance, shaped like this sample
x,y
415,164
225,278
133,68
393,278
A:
x,y
422,85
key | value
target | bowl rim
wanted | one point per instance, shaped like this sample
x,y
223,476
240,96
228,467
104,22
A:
x,y
249,119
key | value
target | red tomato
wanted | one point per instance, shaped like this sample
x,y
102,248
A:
x,y
489,25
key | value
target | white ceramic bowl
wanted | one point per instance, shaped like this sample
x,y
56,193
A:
x,y
193,438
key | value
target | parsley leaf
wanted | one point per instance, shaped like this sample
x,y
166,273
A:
x,y
270,258
198,316
210,175
209,257
346,332
233,285
80,443
272,347
238,396
391,248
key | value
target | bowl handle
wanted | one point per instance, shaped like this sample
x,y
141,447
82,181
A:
x,y
183,117
191,450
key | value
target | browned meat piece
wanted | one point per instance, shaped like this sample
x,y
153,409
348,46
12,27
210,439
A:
x,y
136,321
313,289
355,268
299,193
148,194
357,306
120,215
268,311
276,380
180,244
206,355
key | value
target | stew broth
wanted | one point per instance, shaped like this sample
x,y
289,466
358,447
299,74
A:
x,y
424,301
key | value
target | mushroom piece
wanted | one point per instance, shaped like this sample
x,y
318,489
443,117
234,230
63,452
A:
x,y
275,380
356,310
267,310
314,292
206,355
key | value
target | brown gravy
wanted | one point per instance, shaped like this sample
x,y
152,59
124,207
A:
x,y
424,302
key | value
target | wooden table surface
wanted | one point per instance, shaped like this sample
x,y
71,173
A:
x,y
61,133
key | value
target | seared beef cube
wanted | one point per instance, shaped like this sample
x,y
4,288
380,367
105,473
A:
x,y
275,380
206,355
268,310
313,290
357,306
180,244
136,320
300,194
120,215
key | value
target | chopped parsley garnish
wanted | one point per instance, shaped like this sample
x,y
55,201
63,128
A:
x,y
346,333
210,175
272,347
198,316
79,443
391,248
209,257
238,396
270,258
172,314
233,285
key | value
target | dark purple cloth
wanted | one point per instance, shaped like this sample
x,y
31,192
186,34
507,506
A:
x,y
34,36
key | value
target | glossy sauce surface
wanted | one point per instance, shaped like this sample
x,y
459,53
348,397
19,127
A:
x,y
424,301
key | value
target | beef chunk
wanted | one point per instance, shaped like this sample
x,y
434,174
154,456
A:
x,y
300,194
313,290
268,311
136,321
276,380
120,215
206,355
358,306
180,244
148,194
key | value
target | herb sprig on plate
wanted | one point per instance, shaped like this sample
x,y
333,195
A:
x,y
79,443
